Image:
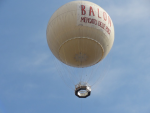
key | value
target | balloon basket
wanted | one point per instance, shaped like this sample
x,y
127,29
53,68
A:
x,y
82,90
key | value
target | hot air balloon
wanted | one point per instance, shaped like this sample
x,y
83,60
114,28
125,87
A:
x,y
80,34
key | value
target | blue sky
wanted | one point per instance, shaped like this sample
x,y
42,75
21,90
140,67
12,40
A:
x,y
29,81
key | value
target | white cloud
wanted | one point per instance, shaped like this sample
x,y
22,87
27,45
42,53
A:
x,y
36,63
131,11
109,83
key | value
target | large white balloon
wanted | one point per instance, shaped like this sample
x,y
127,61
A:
x,y
80,33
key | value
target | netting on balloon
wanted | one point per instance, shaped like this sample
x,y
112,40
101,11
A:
x,y
71,76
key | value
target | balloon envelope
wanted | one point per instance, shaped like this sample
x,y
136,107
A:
x,y
80,34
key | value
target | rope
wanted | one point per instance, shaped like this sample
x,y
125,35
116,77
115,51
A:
x,y
61,76
101,77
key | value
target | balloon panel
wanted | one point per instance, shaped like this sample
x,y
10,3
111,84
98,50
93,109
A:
x,y
81,52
